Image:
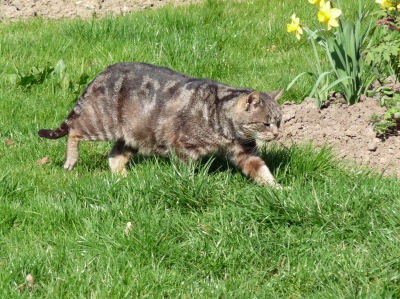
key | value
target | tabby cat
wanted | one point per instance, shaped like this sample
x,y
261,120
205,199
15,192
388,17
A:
x,y
148,109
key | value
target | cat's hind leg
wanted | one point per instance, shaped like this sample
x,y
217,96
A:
x,y
72,152
119,157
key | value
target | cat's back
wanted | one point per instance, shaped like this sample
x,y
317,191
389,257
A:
x,y
137,72
138,81
142,68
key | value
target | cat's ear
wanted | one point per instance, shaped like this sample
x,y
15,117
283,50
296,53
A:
x,y
252,100
245,102
275,95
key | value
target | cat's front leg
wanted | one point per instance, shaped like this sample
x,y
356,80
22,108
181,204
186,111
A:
x,y
253,166
256,168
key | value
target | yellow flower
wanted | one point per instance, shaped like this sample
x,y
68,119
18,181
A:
x,y
318,3
329,15
387,4
295,26
393,7
384,3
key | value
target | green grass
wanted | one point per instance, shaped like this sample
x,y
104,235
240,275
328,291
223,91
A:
x,y
201,230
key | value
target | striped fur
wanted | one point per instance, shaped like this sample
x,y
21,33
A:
x,y
151,110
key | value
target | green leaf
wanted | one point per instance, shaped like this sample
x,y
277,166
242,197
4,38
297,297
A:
x,y
60,68
65,82
14,78
295,79
334,83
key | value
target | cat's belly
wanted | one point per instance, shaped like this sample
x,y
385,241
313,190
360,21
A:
x,y
183,149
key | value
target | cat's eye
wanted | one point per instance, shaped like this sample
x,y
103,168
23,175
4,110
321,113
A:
x,y
278,124
267,124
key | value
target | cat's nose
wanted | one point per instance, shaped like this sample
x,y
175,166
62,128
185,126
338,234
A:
x,y
276,135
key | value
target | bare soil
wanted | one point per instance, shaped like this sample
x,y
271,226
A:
x,y
57,9
346,128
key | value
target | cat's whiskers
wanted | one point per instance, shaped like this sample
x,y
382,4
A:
x,y
254,150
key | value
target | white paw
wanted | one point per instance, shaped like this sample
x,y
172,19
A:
x,y
124,172
68,166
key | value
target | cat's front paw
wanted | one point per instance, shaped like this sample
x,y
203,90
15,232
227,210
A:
x,y
279,187
276,186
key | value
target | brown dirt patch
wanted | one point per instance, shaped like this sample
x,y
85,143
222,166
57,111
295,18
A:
x,y
57,9
346,128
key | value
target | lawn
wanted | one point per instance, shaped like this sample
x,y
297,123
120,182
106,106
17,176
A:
x,y
198,230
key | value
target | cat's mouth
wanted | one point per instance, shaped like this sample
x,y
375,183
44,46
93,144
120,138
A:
x,y
265,137
261,136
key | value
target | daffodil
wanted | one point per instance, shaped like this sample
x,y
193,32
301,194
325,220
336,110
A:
x,y
387,4
329,15
295,26
318,3
384,3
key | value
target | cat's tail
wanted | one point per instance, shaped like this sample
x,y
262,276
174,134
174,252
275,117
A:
x,y
62,130
54,134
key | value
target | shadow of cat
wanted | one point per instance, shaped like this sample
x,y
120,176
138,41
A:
x,y
275,159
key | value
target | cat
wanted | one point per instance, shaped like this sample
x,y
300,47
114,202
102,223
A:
x,y
149,109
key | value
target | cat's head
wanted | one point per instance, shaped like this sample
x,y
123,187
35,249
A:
x,y
258,115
